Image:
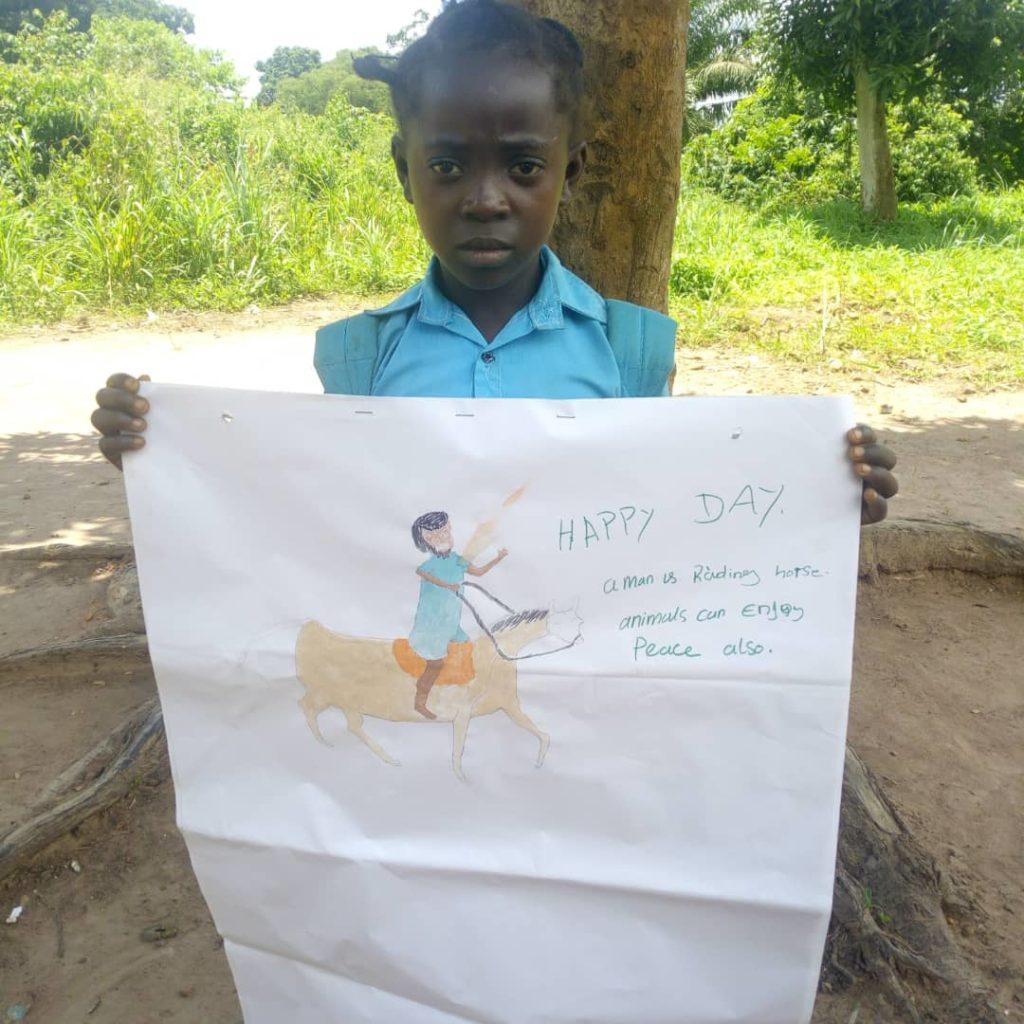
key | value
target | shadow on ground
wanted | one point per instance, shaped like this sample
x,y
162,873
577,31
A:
x,y
915,230
57,487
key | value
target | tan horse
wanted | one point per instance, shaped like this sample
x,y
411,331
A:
x,y
359,676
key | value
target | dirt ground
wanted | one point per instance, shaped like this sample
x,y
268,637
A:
x,y
937,712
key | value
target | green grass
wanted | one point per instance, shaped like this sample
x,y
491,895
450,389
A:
x,y
940,289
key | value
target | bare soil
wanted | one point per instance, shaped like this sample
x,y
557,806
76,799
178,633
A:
x,y
937,711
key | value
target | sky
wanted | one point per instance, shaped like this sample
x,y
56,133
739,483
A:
x,y
250,30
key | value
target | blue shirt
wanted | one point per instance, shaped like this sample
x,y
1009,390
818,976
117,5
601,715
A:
x,y
556,346
439,612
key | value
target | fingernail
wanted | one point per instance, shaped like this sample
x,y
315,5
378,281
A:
x,y
871,494
855,436
140,405
863,468
137,442
138,424
857,453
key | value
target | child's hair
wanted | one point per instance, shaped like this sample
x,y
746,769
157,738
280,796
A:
x,y
428,521
487,27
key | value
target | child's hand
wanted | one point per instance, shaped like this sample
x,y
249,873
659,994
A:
x,y
872,462
118,416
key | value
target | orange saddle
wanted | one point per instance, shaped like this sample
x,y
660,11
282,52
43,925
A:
x,y
457,669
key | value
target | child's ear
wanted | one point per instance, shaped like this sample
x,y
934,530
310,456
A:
x,y
574,170
401,164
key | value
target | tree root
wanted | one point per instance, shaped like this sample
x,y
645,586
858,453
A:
x,y
917,545
76,659
102,776
889,914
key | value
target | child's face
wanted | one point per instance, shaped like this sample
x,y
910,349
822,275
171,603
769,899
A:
x,y
440,540
486,162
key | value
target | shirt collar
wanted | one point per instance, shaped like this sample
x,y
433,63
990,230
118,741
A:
x,y
559,288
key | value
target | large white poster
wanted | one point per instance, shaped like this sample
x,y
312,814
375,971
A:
x,y
505,711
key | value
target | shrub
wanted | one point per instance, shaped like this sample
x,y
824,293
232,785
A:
x,y
929,151
760,155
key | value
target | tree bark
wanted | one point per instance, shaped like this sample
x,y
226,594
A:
x,y
617,231
877,183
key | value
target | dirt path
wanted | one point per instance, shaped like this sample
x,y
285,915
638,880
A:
x,y
961,454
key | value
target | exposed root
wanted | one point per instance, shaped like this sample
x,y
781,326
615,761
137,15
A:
x,y
94,782
76,659
888,921
917,545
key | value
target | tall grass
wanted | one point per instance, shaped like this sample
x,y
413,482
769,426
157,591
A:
x,y
130,179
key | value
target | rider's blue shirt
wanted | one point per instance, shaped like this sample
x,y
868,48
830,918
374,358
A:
x,y
439,612
556,346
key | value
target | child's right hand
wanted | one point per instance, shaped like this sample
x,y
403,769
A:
x,y
118,416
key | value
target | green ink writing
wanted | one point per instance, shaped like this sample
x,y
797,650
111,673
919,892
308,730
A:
x,y
642,646
629,521
713,507
644,619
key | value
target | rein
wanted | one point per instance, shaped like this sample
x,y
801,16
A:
x,y
480,622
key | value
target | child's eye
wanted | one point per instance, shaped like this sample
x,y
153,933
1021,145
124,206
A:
x,y
527,168
446,168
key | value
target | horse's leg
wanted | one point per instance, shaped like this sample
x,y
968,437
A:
x,y
355,726
523,720
312,708
460,729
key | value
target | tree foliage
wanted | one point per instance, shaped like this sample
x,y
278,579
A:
x,y
285,62
874,51
783,144
313,91
904,44
722,59
16,13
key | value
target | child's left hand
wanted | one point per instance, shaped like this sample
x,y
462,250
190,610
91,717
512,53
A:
x,y
872,462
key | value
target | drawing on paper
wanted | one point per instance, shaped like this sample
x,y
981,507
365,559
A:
x,y
438,640
437,673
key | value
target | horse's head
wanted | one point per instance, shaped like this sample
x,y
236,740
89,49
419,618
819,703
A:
x,y
560,626
565,624
521,628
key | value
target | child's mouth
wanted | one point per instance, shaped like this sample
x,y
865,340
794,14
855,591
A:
x,y
485,252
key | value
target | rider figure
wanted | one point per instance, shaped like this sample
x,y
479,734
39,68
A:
x,y
438,619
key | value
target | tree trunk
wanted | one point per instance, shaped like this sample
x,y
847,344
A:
x,y
877,184
617,231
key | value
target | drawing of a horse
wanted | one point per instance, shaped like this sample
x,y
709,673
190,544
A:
x,y
360,677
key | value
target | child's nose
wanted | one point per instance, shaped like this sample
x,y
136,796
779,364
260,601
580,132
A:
x,y
485,200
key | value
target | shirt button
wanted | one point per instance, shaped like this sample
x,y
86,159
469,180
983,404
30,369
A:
x,y
488,357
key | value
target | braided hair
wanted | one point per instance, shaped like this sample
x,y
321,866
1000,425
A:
x,y
482,27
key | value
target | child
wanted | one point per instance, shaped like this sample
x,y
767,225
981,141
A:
x,y
438,621
489,144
